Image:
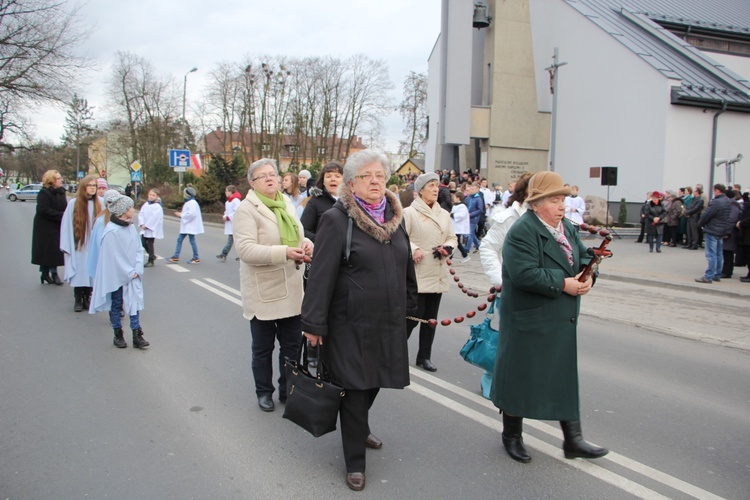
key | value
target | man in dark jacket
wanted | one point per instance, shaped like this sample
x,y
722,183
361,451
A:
x,y
692,214
716,223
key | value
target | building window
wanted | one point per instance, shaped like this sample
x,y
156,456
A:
x,y
293,149
321,151
265,147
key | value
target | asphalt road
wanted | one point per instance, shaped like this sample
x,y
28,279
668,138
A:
x,y
80,418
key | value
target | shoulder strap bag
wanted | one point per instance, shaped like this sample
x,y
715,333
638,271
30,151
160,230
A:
x,y
481,348
312,402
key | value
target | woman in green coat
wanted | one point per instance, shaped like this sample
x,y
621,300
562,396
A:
x,y
536,373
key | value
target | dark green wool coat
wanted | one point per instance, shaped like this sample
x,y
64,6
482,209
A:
x,y
536,372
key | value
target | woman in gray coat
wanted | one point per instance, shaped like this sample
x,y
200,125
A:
x,y
360,289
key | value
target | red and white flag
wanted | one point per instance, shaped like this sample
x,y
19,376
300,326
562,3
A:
x,y
195,161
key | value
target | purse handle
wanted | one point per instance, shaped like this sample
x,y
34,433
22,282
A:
x,y
491,311
321,372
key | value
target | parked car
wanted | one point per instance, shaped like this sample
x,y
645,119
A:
x,y
117,188
28,192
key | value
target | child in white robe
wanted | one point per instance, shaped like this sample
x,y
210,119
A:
x,y
151,222
119,271
191,223
234,198
75,237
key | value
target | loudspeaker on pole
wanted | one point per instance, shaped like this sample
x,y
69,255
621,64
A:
x,y
609,176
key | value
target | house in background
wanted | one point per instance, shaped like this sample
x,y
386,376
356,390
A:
x,y
287,150
411,166
657,88
104,162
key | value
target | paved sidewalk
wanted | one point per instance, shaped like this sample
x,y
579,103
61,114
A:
x,y
657,292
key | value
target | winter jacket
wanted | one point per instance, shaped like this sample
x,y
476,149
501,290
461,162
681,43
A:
x,y
359,304
674,212
491,249
429,227
45,240
716,219
744,236
271,284
445,198
536,371
320,202
695,208
735,214
653,211
476,207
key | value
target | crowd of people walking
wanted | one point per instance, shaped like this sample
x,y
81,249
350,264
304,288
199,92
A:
x,y
93,236
353,266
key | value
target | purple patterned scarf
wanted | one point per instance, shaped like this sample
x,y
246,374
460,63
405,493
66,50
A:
x,y
376,211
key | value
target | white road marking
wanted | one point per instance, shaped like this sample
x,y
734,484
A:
x,y
586,466
607,476
178,269
225,287
218,292
645,470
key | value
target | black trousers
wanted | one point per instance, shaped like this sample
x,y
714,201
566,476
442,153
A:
x,y
427,308
643,230
355,428
265,333
692,231
148,245
668,230
728,268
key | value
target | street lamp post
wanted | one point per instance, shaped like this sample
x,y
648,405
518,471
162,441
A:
x,y
184,123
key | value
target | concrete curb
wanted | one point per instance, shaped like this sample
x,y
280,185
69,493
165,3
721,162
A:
x,y
706,289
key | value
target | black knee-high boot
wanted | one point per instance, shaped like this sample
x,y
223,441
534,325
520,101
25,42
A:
x,y
512,439
574,446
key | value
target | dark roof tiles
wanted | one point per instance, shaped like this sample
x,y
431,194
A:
x,y
635,24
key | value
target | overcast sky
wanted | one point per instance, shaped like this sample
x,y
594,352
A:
x,y
178,35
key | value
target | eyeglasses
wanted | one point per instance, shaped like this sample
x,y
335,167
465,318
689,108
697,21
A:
x,y
91,185
378,176
264,177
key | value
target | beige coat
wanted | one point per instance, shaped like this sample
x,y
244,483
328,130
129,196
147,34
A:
x,y
271,285
428,228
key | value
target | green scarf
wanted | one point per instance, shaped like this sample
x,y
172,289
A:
x,y
288,228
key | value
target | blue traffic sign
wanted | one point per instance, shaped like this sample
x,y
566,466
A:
x,y
135,176
179,158
80,175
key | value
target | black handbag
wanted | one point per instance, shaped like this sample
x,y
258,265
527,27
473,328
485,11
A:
x,y
312,402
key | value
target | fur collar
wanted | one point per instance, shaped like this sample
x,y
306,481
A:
x,y
382,233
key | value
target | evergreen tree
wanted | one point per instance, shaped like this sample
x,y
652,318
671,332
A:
x,y
78,125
